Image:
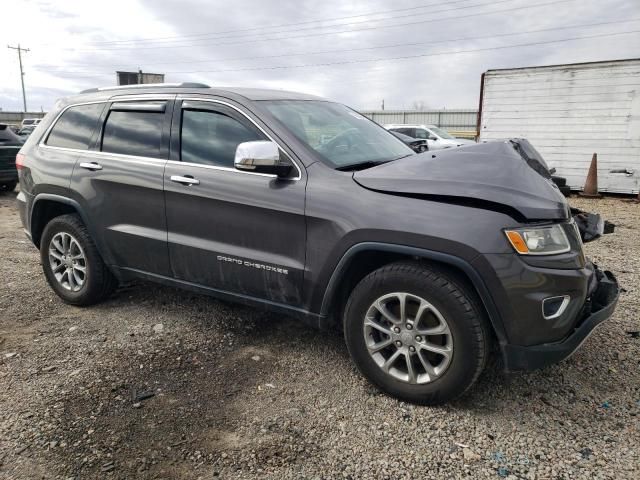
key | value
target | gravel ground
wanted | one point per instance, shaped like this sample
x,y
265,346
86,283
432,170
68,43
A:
x,y
160,383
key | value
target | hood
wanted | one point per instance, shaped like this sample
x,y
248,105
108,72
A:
x,y
457,142
507,175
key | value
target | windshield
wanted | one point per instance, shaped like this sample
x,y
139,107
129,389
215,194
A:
x,y
441,133
338,134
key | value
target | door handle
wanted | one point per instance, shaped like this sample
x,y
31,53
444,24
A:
x,y
91,166
186,180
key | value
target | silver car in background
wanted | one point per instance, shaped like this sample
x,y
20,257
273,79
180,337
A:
x,y
436,137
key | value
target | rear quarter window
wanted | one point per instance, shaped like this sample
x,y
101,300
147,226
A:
x,y
75,127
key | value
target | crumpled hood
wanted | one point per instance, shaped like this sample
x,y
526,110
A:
x,y
509,173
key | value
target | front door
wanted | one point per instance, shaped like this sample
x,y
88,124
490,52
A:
x,y
119,184
230,230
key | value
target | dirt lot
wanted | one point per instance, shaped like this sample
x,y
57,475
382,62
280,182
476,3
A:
x,y
238,393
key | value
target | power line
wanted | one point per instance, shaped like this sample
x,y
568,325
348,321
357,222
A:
x,y
384,59
379,12
318,34
389,17
404,57
20,50
396,45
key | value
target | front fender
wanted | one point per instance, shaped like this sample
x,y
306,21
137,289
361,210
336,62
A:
x,y
444,258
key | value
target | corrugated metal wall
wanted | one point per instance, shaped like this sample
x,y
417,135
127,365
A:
x,y
569,112
459,121
16,117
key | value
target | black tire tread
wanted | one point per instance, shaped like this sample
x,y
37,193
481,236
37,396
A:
x,y
438,277
104,282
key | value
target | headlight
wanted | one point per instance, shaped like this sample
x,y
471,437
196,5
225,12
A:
x,y
539,240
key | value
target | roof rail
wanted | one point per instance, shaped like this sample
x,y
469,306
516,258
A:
x,y
148,85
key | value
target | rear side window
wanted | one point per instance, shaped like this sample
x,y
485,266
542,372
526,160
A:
x,y
131,132
76,126
211,137
410,132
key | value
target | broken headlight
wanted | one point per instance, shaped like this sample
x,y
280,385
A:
x,y
548,240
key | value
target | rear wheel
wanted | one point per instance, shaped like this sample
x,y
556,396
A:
x,y
71,262
8,186
415,333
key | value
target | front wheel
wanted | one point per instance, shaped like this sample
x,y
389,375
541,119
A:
x,y
416,333
72,264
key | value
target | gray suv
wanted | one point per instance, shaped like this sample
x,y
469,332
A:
x,y
427,262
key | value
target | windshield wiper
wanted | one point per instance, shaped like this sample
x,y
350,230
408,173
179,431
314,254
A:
x,y
360,165
369,163
402,156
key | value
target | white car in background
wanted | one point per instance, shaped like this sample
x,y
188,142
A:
x,y
437,138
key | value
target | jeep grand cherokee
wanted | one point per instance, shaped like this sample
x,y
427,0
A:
x,y
303,206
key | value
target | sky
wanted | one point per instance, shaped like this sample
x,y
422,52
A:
x,y
409,53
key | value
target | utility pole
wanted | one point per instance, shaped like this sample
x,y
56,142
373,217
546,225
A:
x,y
20,50
382,104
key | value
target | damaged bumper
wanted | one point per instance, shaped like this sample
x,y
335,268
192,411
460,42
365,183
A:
x,y
598,307
591,225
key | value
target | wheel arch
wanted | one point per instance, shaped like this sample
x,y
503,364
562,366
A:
x,y
363,258
47,206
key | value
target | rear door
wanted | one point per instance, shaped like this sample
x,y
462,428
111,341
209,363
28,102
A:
x,y
230,230
119,183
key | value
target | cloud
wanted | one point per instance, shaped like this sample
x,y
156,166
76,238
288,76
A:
x,y
79,44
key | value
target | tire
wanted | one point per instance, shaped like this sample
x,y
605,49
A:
x,y
565,190
97,280
467,340
9,186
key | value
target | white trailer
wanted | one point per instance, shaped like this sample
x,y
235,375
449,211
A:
x,y
568,113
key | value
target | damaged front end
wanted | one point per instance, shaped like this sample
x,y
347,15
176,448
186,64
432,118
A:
x,y
591,225
599,305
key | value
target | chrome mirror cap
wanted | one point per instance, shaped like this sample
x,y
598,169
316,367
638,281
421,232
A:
x,y
261,157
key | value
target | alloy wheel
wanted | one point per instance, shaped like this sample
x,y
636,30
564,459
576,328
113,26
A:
x,y
68,262
408,338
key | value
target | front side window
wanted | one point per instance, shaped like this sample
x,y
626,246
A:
x,y
76,126
423,134
340,136
211,137
442,133
137,133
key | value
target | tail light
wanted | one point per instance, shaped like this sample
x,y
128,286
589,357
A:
x,y
20,161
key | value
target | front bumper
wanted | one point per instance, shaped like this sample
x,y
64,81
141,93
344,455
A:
x,y
598,307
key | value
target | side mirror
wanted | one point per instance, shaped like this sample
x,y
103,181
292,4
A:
x,y
261,157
